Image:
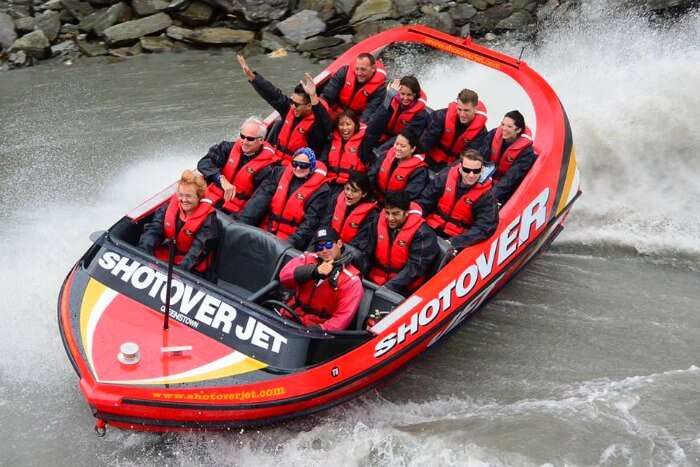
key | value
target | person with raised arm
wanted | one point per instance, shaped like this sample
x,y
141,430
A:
x,y
402,112
305,118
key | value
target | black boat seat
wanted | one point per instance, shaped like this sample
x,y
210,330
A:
x,y
444,257
375,298
247,258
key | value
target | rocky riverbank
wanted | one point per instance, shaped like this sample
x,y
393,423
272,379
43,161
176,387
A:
x,y
32,31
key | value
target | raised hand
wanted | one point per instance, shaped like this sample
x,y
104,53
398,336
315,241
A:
x,y
394,84
308,84
244,66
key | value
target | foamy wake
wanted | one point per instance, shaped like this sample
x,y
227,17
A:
x,y
630,91
457,431
40,250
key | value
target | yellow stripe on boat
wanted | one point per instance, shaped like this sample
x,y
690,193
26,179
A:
x,y
232,364
571,183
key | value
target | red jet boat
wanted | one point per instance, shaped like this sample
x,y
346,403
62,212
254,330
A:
x,y
227,359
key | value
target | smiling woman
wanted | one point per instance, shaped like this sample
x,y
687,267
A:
x,y
185,229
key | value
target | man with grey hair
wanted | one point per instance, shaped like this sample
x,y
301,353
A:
x,y
234,169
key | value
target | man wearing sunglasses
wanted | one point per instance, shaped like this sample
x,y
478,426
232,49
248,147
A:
x,y
234,169
399,245
460,203
327,288
305,119
292,201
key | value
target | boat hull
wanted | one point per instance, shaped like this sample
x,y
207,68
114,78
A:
x,y
268,393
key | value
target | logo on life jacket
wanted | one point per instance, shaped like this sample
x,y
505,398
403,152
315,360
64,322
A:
x,y
300,196
402,243
250,170
188,232
400,177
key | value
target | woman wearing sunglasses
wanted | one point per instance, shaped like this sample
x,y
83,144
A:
x,y
350,150
292,201
460,205
400,169
352,207
509,148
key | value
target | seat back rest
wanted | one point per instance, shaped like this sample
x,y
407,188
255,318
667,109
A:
x,y
375,298
289,254
444,257
365,305
248,256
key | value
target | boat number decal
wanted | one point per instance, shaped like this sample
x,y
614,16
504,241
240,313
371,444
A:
x,y
189,305
534,216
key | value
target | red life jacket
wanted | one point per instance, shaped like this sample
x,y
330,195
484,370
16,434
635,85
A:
x,y
389,259
344,156
292,137
398,179
452,215
451,145
187,233
347,226
287,209
319,297
242,177
399,119
504,161
356,99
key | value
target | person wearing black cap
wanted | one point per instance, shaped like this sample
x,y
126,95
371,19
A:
x,y
327,288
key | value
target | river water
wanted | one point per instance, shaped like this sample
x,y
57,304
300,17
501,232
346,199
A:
x,y
591,357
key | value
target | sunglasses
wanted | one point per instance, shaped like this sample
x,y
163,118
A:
x,y
298,104
466,170
320,246
301,165
249,138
